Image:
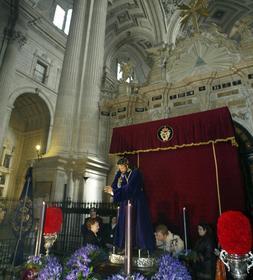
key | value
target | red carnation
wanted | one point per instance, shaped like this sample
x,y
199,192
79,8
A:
x,y
234,233
53,220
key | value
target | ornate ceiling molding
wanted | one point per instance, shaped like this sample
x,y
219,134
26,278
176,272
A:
x,y
202,53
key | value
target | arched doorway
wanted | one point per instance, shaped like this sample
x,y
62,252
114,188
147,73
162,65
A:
x,y
29,126
245,141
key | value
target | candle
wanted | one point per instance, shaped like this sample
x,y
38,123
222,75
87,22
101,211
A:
x,y
117,213
113,249
128,239
185,231
40,229
139,253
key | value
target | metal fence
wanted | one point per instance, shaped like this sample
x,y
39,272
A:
x,y
74,215
68,240
7,249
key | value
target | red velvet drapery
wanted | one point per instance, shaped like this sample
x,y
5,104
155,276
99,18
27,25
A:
x,y
181,172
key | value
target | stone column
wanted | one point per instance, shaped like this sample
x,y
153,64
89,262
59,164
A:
x,y
7,76
75,128
62,133
104,130
91,83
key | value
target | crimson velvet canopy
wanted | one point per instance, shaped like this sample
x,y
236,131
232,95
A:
x,y
195,167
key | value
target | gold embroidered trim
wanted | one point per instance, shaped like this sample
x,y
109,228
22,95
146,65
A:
x,y
232,139
119,183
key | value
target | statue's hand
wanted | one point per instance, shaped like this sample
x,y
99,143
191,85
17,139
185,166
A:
x,y
108,189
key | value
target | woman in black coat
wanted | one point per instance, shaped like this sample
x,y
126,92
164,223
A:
x,y
91,236
205,259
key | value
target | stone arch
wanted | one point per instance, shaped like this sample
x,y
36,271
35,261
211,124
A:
x,y
33,90
173,28
29,125
133,45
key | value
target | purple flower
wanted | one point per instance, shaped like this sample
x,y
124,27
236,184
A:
x,y
72,275
34,260
171,269
79,262
82,256
51,270
135,276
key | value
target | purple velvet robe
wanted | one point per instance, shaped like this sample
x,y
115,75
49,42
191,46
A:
x,y
130,187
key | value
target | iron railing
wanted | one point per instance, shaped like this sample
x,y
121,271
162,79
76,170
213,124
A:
x,y
74,215
68,240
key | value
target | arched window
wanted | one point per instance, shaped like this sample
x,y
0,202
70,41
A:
x,y
62,18
119,73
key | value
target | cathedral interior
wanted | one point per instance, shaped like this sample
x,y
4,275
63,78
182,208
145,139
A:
x,y
73,70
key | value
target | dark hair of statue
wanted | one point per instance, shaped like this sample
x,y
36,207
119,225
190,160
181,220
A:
x,y
123,161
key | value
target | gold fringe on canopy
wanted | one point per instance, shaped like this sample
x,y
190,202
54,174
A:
x,y
231,139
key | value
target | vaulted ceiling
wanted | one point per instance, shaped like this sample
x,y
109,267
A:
x,y
30,113
226,12
133,26
149,19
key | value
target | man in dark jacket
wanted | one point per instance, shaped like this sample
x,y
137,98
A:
x,y
109,232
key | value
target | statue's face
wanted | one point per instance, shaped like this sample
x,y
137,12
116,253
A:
x,y
123,168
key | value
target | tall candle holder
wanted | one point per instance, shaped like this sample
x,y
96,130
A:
x,y
128,239
185,230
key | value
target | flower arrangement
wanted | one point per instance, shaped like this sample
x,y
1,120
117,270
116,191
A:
x,y
234,233
42,268
171,269
51,270
78,266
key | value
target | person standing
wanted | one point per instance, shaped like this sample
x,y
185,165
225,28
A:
x,y
109,232
203,251
128,185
